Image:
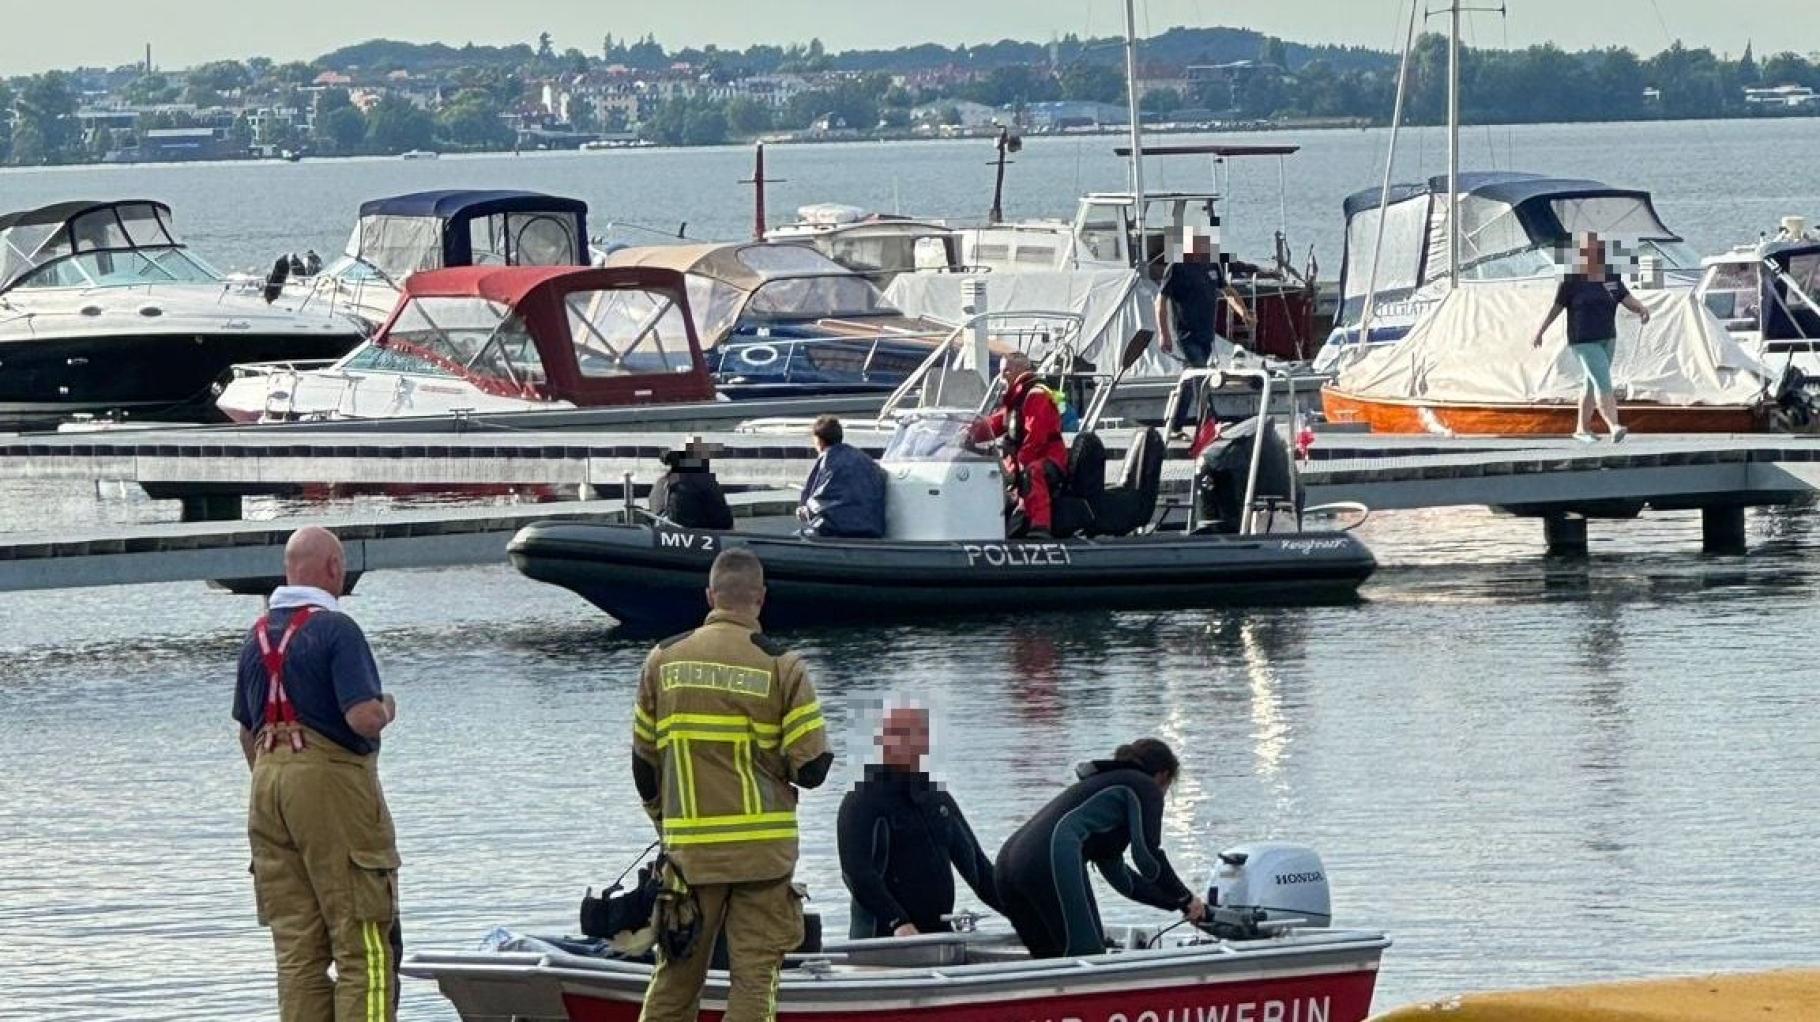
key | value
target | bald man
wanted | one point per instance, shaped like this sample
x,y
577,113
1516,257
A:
x,y
325,858
902,837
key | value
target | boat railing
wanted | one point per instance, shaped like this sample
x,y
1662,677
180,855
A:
x,y
1056,331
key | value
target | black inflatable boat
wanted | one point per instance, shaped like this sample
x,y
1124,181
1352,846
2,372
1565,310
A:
x,y
653,578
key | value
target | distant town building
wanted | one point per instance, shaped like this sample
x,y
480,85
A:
x,y
1787,97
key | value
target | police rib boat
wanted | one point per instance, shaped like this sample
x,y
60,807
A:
x,y
1266,956
1116,544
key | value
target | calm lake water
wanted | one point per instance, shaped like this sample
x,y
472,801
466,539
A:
x,y
1526,771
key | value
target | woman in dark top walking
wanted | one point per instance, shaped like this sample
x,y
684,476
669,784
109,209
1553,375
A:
x,y
1590,296
1041,873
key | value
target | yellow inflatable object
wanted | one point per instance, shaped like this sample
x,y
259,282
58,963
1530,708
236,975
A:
x,y
1771,996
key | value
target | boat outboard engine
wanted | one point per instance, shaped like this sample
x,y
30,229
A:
x,y
1223,469
1267,886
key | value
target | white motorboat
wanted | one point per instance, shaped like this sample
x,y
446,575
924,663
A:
x,y
1767,294
103,311
405,234
1268,956
498,339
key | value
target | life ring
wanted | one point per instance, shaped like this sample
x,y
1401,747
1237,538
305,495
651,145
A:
x,y
757,355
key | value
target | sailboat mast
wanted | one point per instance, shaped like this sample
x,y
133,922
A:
x,y
1453,146
1137,134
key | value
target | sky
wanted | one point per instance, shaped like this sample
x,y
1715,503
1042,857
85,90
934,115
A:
x,y
40,35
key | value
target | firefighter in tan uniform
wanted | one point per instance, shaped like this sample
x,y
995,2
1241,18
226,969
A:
x,y
325,859
726,729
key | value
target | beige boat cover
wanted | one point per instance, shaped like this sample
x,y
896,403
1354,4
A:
x,y
1474,348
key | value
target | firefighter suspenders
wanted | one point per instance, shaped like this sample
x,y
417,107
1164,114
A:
x,y
280,713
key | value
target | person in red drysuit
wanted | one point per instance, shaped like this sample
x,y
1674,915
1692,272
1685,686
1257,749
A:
x,y
1031,426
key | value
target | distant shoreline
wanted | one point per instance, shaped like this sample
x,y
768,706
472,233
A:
x,y
1113,131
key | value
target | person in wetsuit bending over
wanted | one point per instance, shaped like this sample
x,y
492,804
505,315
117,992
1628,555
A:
x,y
1042,870
902,838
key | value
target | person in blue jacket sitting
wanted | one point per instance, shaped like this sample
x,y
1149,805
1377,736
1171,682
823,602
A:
x,y
845,495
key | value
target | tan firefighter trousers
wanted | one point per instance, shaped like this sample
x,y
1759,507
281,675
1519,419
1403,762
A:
x,y
325,875
763,920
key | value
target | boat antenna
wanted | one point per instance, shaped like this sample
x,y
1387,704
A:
x,y
758,181
1137,135
1008,143
1390,162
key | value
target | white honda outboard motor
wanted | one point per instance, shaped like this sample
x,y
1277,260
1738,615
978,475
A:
x,y
1267,886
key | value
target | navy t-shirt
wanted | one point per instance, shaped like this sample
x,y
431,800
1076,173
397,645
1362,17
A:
x,y
1592,307
328,669
1194,291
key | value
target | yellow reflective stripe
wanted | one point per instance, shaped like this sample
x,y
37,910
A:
x,y
811,707
802,729
687,780
369,932
670,738
740,752
732,820
729,719
643,732
679,840
639,715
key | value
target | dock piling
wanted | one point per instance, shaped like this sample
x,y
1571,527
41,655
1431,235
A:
x,y
211,507
1722,529
1565,533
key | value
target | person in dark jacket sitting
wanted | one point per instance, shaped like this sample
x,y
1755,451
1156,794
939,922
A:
x,y
845,494
687,494
901,837
1115,807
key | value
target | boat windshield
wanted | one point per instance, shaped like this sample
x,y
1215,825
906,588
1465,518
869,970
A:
x,y
467,336
121,268
1734,294
822,296
934,436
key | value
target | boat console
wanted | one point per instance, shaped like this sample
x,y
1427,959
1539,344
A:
x,y
939,485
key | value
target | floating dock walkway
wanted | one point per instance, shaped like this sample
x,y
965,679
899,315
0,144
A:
x,y
1560,482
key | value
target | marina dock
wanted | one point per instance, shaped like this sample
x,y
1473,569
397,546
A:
x,y
1561,482
250,555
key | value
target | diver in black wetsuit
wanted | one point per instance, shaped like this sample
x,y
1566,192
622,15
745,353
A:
x,y
1042,870
901,837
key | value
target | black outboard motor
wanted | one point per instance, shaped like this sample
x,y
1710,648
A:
x,y
274,281
1224,467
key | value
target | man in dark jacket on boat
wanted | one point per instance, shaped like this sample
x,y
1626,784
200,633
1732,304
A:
x,y
687,494
1030,426
901,838
845,494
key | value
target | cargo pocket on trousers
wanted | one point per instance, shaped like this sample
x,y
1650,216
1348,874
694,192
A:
x,y
259,911
373,879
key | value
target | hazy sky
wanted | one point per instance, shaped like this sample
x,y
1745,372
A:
x,y
41,34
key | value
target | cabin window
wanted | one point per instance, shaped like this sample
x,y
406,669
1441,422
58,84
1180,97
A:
x,y
1610,217
1805,271
524,239
818,297
1734,295
931,254
617,332
1405,236
1102,234
399,246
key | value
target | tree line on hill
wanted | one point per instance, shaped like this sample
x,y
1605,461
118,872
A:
x,y
1240,75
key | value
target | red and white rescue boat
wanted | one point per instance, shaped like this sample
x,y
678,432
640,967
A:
x,y
1263,964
